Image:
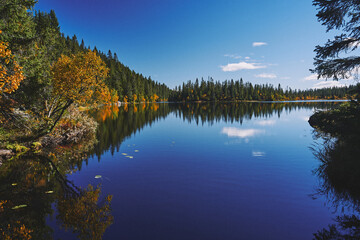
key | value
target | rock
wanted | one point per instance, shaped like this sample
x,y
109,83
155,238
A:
x,y
5,152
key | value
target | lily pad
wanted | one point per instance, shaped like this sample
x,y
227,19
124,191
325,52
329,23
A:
x,y
124,154
98,176
19,206
136,150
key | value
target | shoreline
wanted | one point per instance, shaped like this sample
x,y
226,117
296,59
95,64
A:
x,y
242,101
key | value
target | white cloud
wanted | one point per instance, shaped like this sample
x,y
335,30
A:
x,y
232,67
327,84
266,122
259,44
240,133
258,154
266,75
350,76
234,56
311,77
247,58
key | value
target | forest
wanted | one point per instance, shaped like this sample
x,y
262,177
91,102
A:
x,y
240,91
47,79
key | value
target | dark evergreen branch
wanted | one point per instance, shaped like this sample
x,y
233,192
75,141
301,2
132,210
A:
x,y
332,48
336,68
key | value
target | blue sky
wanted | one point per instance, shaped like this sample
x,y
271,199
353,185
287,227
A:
x,y
174,41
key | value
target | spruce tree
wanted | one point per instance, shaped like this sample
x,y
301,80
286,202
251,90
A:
x,y
340,15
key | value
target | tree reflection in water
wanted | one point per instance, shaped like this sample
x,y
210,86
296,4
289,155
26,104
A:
x,y
118,124
339,175
30,185
34,187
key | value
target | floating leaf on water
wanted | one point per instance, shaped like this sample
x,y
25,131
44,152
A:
x,y
13,184
49,192
98,176
130,157
133,144
173,142
136,150
124,154
19,206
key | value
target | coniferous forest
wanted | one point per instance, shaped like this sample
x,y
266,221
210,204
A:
x,y
46,75
191,162
240,91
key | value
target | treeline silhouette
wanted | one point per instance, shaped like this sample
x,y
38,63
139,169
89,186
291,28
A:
x,y
239,90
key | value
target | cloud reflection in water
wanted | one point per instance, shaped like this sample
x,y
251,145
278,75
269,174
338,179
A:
x,y
241,133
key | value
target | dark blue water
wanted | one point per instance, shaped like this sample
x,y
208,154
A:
x,y
189,171
191,176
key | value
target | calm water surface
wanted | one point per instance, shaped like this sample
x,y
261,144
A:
x,y
206,171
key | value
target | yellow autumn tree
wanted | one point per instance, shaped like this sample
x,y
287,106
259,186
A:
x,y
81,78
10,72
11,76
78,79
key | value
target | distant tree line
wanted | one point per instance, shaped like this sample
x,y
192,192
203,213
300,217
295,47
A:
x,y
231,90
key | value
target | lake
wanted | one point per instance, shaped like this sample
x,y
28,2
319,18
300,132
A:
x,y
185,171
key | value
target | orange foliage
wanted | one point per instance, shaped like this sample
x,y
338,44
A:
x,y
13,231
154,98
19,231
134,97
80,78
154,107
10,72
107,112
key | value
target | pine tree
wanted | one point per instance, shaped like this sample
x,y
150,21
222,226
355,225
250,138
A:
x,y
341,15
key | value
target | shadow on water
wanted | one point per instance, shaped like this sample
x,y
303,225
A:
x,y
339,183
